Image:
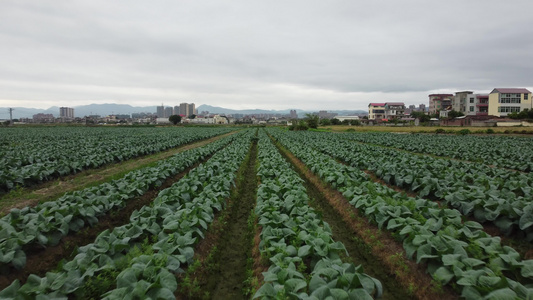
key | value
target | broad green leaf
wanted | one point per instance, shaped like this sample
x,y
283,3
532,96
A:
x,y
502,294
443,275
294,285
266,291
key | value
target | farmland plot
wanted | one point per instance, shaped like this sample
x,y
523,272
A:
x,y
33,155
45,224
152,255
502,151
140,259
456,252
488,194
298,243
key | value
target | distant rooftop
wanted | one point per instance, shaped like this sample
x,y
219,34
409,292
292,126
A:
x,y
441,95
376,104
510,91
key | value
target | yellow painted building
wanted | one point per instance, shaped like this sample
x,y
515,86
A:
x,y
503,101
376,111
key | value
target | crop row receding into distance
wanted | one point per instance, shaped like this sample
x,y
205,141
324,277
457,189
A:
x,y
145,257
456,252
45,224
32,155
140,259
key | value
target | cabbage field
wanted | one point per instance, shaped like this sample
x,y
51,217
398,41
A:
x,y
267,213
39,154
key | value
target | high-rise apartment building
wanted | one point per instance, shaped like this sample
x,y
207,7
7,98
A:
x,y
168,112
183,109
66,112
293,114
188,109
160,111
192,109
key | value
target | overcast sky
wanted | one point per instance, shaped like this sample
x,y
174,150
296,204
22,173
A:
x,y
259,54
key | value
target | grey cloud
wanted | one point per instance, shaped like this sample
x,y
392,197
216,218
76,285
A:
x,y
240,51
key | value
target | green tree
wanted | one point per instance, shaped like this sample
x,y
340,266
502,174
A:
x,y
454,114
335,121
175,119
355,122
298,125
525,114
312,120
421,116
325,122
192,116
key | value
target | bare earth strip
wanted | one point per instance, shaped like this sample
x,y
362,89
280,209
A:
x,y
221,259
54,189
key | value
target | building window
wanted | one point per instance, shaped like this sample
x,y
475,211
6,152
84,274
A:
x,y
508,109
525,96
471,100
513,99
471,108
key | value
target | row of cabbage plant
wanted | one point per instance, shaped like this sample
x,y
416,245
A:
x,y
456,252
32,155
488,194
173,223
305,260
491,150
48,222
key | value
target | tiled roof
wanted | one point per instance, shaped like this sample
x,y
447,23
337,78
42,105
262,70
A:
x,y
394,103
510,91
376,104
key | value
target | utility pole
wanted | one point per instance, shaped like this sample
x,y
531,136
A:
x,y
11,116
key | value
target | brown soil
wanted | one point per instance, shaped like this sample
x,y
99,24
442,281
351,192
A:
x,y
223,253
54,189
42,260
388,261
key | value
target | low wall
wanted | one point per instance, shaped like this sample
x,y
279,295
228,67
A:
x,y
511,124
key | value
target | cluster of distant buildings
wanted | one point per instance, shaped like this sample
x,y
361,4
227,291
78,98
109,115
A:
x,y
187,111
66,114
498,103
391,110
183,110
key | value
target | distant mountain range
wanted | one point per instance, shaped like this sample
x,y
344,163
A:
x,y
109,109
221,110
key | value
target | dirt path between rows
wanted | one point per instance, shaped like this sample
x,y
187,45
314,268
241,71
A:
x,y
235,246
